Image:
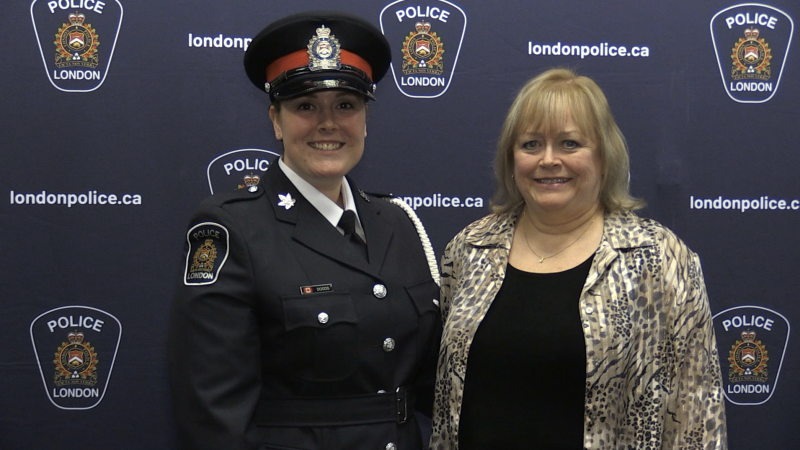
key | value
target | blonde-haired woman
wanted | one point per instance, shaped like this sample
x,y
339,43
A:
x,y
582,324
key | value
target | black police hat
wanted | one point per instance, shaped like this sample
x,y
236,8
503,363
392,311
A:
x,y
316,50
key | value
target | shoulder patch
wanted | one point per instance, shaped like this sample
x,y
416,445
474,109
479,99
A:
x,y
208,251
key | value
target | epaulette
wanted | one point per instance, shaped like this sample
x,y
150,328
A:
x,y
366,195
236,195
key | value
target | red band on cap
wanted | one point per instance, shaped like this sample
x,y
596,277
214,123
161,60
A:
x,y
300,59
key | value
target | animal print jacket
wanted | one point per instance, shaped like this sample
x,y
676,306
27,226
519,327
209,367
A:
x,y
652,374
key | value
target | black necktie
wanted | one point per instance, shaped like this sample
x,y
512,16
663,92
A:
x,y
348,224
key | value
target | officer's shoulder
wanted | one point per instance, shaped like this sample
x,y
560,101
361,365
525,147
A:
x,y
379,198
231,197
388,203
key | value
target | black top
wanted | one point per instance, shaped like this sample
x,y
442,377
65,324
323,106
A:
x,y
526,376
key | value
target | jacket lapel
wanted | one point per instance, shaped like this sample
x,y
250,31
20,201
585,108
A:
x,y
310,227
621,231
377,228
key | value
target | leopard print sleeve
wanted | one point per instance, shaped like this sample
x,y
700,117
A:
x,y
695,418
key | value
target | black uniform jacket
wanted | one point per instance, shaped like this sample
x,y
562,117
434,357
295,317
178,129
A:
x,y
282,336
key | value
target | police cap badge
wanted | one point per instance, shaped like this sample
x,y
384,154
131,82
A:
x,y
316,50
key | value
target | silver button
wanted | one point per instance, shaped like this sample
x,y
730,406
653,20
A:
x,y
391,446
322,317
379,290
436,302
381,391
388,344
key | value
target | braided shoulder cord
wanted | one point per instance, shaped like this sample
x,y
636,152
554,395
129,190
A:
x,y
423,236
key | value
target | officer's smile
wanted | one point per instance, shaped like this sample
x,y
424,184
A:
x,y
326,145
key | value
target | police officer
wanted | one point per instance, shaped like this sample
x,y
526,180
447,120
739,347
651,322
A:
x,y
307,317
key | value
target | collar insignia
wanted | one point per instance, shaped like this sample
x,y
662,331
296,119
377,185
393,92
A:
x,y
286,200
251,181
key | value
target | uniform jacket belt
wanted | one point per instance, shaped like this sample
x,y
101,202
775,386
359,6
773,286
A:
x,y
333,411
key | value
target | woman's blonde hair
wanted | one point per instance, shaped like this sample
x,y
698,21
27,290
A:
x,y
543,105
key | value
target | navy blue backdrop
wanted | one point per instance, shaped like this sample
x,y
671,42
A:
x,y
120,116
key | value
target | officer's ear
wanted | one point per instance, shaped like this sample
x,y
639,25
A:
x,y
274,116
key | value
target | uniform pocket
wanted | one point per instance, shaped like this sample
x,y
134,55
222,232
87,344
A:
x,y
320,340
425,296
278,447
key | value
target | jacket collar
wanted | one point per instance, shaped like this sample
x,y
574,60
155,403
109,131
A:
x,y
315,232
494,231
626,230
621,229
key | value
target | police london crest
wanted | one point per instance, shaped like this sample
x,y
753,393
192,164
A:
x,y
752,342
204,257
751,56
420,32
75,347
76,362
752,43
76,44
422,51
748,359
78,59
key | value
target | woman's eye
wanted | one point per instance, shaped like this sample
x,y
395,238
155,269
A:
x,y
571,144
530,145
